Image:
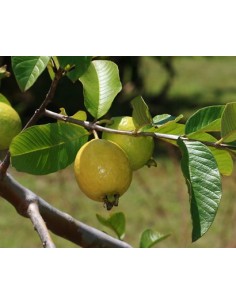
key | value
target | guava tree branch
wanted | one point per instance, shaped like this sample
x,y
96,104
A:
x,y
60,223
93,126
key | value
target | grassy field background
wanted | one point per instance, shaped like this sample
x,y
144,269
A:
x,y
158,197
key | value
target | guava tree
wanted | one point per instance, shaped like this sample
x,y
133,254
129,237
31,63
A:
x,y
206,141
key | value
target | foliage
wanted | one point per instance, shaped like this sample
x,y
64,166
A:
x,y
149,238
116,222
206,140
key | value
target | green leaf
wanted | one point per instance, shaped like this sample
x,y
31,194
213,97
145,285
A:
x,y
141,115
63,111
3,99
222,157
171,128
116,222
205,119
80,115
80,63
167,128
27,69
149,238
162,119
228,123
101,83
44,149
203,179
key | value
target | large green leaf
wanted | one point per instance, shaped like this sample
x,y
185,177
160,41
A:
x,y
141,115
27,69
204,184
80,63
150,238
223,157
45,149
205,119
116,222
101,83
228,123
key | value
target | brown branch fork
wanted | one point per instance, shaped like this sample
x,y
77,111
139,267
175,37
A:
x,y
29,205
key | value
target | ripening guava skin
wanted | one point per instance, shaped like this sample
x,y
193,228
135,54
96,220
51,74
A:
x,y
102,171
10,125
138,149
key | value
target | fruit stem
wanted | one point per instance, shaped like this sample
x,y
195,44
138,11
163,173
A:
x,y
95,134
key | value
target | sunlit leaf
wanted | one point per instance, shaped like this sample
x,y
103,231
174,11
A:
x,y
27,69
45,149
101,84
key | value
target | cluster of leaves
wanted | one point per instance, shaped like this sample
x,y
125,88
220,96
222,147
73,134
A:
x,y
206,140
117,224
55,145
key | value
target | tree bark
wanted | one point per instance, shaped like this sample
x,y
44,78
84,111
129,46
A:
x,y
60,223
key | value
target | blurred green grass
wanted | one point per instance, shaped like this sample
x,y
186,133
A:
x,y
199,81
158,197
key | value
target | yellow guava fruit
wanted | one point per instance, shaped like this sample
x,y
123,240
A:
x,y
10,125
102,171
138,149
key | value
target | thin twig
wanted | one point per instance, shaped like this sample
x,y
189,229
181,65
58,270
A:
x,y
93,126
37,114
48,99
39,225
60,223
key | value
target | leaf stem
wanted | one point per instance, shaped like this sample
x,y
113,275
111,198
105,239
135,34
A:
x,y
95,134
